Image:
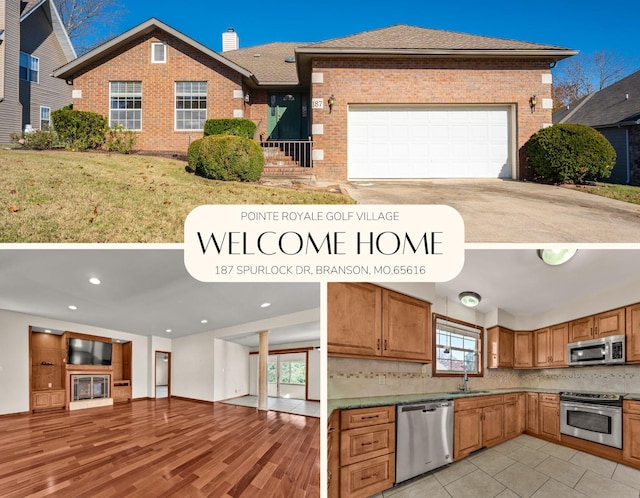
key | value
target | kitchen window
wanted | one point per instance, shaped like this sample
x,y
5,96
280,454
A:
x,y
191,105
29,68
125,107
457,347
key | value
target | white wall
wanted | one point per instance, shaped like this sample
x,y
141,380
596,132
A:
x,y
231,370
14,356
192,371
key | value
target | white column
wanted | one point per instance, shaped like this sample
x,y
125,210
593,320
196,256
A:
x,y
263,355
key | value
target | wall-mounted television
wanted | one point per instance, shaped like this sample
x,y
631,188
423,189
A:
x,y
84,352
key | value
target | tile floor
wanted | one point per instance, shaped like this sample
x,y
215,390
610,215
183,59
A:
x,y
524,467
295,406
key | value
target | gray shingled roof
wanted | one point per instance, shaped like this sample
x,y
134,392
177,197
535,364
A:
x,y
615,104
267,62
412,37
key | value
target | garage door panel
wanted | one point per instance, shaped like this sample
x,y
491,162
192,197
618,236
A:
x,y
444,142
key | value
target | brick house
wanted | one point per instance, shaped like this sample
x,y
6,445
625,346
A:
x,y
397,102
615,112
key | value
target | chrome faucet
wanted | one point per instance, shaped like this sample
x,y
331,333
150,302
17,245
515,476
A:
x,y
464,386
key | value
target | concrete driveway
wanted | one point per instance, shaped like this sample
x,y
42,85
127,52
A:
x,y
512,211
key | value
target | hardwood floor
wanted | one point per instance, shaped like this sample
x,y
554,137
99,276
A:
x,y
168,447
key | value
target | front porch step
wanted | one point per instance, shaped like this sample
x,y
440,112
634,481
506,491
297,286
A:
x,y
287,171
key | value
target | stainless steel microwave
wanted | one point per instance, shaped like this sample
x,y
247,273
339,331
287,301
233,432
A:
x,y
603,351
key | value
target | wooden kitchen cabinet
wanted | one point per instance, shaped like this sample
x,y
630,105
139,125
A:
x,y
478,423
632,323
523,349
500,347
549,408
365,320
601,325
333,455
631,432
550,344
367,451
532,422
513,415
354,319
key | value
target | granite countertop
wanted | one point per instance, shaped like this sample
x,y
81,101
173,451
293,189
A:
x,y
402,399
632,396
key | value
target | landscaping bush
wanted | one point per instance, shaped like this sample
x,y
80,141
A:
x,y
237,126
79,130
37,139
117,139
227,157
570,153
193,155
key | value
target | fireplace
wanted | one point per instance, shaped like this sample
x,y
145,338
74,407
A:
x,y
85,387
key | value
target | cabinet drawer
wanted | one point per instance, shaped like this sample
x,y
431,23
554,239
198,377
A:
x,y
361,444
363,417
549,398
511,398
477,402
367,478
631,407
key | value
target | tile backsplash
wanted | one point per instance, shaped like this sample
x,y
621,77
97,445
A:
x,y
355,378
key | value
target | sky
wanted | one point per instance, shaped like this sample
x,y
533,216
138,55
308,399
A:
x,y
587,26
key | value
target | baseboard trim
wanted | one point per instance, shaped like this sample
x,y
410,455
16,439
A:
x,y
17,414
192,399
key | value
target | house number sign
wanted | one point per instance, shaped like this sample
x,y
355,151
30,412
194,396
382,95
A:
x,y
317,103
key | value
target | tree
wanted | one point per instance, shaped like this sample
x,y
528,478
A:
x,y
87,21
587,73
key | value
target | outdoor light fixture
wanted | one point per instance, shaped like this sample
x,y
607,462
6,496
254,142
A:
x,y
469,299
533,102
331,101
555,257
246,98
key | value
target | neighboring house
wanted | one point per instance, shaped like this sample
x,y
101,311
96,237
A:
x,y
397,102
615,112
33,44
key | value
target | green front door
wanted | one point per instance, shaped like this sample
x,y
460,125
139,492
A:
x,y
288,116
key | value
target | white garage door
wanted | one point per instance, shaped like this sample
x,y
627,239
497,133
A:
x,y
443,142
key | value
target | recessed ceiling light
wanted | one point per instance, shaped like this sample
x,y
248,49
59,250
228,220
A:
x,y
204,321
72,307
555,257
94,280
47,331
265,305
168,331
470,299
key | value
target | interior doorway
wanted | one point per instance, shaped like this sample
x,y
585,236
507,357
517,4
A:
x,y
163,374
287,375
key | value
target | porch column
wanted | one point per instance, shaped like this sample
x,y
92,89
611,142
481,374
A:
x,y
263,354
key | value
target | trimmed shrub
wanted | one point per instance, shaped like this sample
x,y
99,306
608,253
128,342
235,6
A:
x,y
79,130
193,155
37,139
570,153
236,126
117,139
227,157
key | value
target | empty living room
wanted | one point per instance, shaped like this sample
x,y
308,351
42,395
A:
x,y
121,375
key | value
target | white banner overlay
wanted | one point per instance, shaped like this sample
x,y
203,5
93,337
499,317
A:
x,y
292,243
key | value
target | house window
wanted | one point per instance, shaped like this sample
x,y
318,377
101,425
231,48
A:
x,y
458,347
158,53
191,105
29,68
293,372
125,107
45,118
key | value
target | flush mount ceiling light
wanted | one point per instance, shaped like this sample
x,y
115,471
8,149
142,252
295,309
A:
x,y
555,257
470,299
168,331
204,321
94,281
72,307
265,305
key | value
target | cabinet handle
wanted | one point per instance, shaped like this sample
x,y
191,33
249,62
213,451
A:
x,y
370,477
369,443
378,345
370,417
386,345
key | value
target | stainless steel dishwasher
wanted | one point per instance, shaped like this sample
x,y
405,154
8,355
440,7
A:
x,y
424,438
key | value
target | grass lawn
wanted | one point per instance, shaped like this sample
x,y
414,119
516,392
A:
x,y
626,193
61,196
